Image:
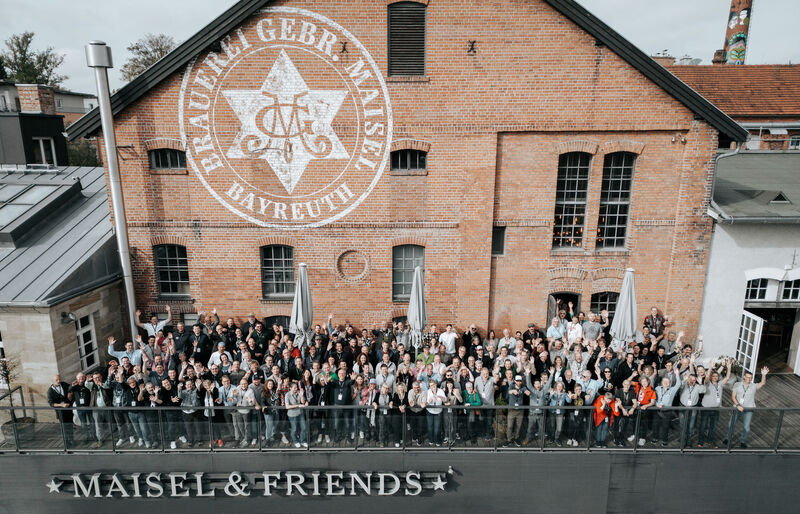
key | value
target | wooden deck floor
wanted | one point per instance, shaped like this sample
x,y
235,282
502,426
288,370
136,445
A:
x,y
781,391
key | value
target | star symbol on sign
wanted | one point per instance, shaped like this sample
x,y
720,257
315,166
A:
x,y
439,483
286,123
54,485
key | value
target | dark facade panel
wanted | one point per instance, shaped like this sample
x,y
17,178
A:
x,y
481,482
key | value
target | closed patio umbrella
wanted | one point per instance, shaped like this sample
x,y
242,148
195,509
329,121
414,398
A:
x,y
623,326
417,313
302,311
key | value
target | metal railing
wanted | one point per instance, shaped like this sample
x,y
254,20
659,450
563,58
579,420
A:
x,y
355,428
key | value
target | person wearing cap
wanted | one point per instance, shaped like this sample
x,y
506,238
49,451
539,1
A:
x,y
426,357
515,395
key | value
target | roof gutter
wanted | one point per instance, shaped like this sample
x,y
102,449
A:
x,y
714,210
771,124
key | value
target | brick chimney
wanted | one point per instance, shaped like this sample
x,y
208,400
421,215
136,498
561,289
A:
x,y
36,98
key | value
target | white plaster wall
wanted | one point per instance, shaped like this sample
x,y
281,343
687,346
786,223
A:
x,y
736,249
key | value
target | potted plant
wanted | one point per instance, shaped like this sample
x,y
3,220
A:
x,y
9,372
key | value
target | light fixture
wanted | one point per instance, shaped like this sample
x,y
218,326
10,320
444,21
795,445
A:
x,y
68,317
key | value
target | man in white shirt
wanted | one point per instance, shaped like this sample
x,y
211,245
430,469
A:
x,y
448,339
154,325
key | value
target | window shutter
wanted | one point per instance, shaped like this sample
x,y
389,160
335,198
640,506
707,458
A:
x,y
406,39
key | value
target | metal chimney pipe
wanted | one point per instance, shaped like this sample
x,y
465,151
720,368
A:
x,y
98,56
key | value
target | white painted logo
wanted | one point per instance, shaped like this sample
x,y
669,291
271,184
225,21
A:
x,y
289,125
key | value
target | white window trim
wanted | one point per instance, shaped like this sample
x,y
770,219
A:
x,y
794,143
78,333
41,141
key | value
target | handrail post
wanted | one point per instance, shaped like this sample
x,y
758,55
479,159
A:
x,y
63,430
403,429
16,431
778,430
211,430
356,420
542,429
636,427
112,424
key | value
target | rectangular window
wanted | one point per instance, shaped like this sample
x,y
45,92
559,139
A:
x,y
44,151
172,270
794,143
277,270
615,200
409,160
791,290
498,240
406,39
756,289
571,186
87,342
606,300
404,259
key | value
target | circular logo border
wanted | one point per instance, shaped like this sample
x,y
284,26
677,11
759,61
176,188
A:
x,y
389,129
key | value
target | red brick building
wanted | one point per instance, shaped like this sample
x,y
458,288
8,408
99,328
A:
x,y
521,148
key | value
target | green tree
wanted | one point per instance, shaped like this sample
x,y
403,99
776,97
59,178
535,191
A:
x,y
82,152
24,65
144,53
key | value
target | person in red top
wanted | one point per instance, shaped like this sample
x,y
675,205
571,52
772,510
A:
x,y
605,410
646,397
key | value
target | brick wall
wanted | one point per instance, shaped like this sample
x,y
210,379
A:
x,y
494,123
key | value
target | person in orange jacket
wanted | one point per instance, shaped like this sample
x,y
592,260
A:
x,y
646,397
605,410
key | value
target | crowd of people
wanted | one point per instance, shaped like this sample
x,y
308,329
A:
x,y
250,385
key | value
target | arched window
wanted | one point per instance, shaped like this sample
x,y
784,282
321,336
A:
x,y
615,199
406,38
571,186
172,269
604,300
404,259
409,161
277,271
167,159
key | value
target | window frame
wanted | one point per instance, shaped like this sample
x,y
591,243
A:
x,y
595,302
172,268
399,286
286,285
790,290
94,351
498,231
171,154
603,226
756,290
389,9
563,177
794,142
41,143
418,155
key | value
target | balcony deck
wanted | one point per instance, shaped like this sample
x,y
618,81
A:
x,y
781,392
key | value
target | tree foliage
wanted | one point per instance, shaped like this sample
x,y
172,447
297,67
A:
x,y
82,152
23,65
144,53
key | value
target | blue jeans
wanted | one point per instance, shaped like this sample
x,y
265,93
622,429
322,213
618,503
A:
x,y
139,423
295,423
87,422
434,428
269,424
601,433
747,417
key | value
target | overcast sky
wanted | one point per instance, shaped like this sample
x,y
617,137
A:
x,y
684,27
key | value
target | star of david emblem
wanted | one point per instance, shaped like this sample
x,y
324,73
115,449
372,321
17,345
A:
x,y
286,123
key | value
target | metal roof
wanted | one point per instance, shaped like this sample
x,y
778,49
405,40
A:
x,y
758,186
227,21
42,265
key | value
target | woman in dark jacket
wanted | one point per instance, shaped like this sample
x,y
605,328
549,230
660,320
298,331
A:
x,y
208,396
